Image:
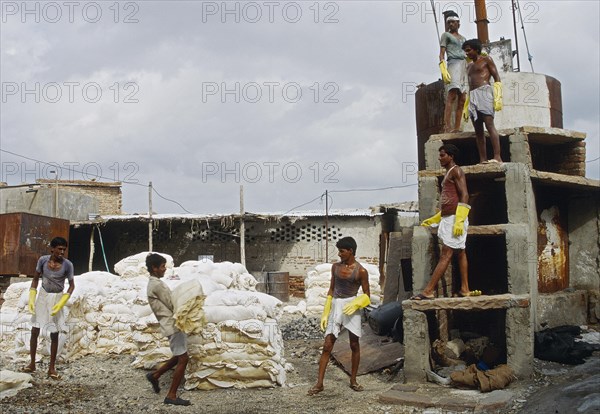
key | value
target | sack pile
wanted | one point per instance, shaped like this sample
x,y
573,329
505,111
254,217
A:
x,y
316,285
234,339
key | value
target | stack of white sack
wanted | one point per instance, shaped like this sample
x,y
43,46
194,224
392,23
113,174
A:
x,y
317,281
234,339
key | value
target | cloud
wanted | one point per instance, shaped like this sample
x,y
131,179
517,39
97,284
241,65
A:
x,y
200,99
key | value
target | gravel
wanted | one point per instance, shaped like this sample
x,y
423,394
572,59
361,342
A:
x,y
107,383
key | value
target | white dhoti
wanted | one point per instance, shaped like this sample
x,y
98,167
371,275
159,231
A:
x,y
446,233
481,101
457,68
338,320
43,307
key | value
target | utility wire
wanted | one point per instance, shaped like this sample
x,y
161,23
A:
x,y
99,176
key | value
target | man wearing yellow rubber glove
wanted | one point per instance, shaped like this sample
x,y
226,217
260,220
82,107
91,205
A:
x,y
484,99
453,71
47,309
342,309
452,224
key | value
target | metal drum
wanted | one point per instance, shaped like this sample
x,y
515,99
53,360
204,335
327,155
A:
x,y
261,278
278,285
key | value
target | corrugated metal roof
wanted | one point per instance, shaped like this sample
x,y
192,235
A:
x,y
272,215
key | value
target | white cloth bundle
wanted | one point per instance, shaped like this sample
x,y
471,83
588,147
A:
x,y
242,347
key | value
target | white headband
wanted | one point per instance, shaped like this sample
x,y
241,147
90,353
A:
x,y
452,18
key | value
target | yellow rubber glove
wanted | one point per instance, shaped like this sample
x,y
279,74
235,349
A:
x,y
465,112
65,297
432,220
462,211
497,96
32,294
445,74
326,311
357,303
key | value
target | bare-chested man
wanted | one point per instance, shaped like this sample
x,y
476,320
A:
x,y
453,71
484,99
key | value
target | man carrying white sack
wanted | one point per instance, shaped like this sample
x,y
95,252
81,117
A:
x,y
161,303
342,309
47,309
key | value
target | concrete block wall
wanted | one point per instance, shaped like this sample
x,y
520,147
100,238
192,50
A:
x,y
544,149
519,231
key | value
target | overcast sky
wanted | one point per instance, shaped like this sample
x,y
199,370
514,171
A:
x,y
287,98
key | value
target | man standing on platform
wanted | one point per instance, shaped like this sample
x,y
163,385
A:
x,y
453,71
452,224
484,99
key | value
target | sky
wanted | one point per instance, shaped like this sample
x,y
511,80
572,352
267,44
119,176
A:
x,y
288,99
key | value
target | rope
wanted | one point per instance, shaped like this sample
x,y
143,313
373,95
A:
x,y
102,244
529,56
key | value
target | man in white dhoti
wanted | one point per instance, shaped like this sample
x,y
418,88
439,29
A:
x,y
47,308
342,309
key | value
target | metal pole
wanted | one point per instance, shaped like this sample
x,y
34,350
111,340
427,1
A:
x,y
56,193
242,229
150,216
482,21
514,7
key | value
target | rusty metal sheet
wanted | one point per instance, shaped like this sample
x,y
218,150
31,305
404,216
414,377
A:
x,y
553,252
25,237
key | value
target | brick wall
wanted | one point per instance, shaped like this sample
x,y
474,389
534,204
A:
x,y
109,194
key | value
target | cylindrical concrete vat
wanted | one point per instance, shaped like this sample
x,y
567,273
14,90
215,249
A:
x,y
278,285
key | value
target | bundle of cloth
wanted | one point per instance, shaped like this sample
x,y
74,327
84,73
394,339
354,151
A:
x,y
233,336
316,286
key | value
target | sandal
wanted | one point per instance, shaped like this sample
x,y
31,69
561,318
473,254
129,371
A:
x,y
28,369
177,401
470,293
421,296
315,390
357,387
54,376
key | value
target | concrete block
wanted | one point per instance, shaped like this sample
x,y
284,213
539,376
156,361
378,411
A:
x,y
416,345
562,308
519,341
519,149
432,152
428,197
519,193
423,246
584,242
521,260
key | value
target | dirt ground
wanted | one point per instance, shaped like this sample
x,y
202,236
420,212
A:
x,y
108,383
